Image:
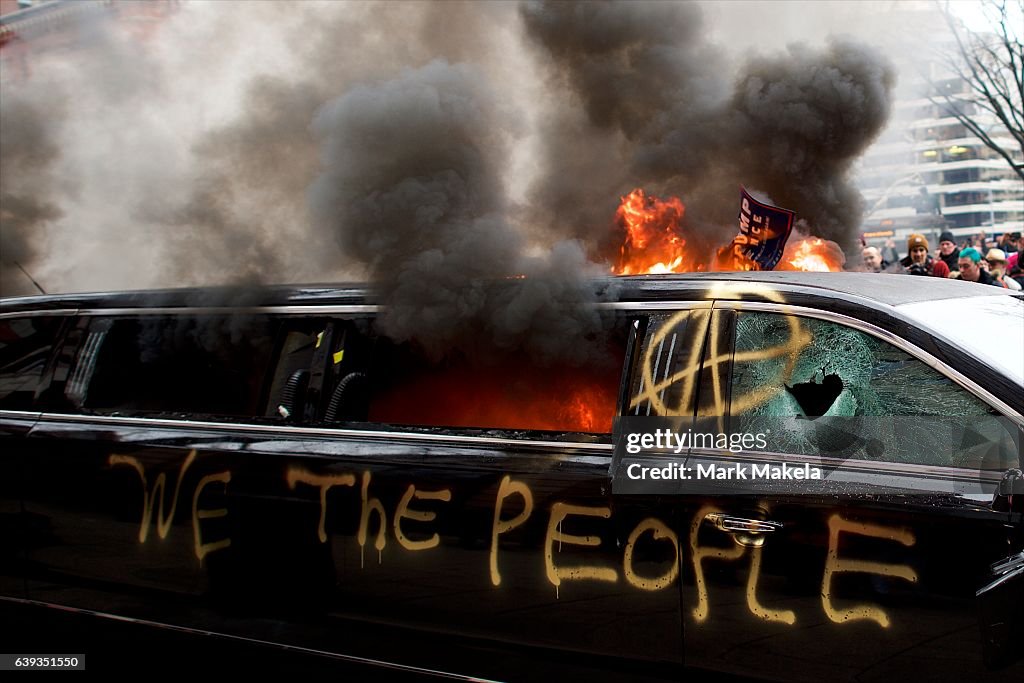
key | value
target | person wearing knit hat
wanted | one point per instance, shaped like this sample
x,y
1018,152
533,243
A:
x,y
916,240
919,262
947,249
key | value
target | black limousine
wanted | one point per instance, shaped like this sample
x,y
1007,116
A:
x,y
269,468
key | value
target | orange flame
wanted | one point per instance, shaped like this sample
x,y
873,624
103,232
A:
x,y
731,257
812,254
655,243
503,397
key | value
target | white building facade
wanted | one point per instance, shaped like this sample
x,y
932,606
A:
x,y
928,173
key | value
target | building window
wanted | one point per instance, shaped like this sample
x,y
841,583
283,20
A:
x,y
965,198
970,220
963,175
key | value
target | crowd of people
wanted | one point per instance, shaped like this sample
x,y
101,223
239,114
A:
x,y
990,262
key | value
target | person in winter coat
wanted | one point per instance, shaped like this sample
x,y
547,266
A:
x,y
919,262
997,269
948,251
971,271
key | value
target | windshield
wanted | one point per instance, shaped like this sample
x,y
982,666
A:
x,y
991,328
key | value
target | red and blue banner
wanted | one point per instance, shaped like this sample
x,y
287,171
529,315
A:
x,y
764,230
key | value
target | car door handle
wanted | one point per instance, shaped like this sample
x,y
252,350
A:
x,y
745,531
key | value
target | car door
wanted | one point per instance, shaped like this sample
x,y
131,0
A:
x,y
471,505
127,468
187,480
869,572
26,349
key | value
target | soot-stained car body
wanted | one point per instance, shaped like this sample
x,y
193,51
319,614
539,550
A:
x,y
265,465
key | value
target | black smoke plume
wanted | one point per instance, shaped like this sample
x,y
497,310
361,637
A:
x,y
383,147
411,189
662,110
245,214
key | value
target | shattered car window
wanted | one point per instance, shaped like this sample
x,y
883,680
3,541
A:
x,y
789,366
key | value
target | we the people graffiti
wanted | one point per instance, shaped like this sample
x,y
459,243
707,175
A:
x,y
514,505
164,521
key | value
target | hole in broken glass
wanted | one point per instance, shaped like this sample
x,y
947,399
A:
x,y
816,398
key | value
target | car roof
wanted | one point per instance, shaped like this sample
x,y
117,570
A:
x,y
865,288
875,298
883,288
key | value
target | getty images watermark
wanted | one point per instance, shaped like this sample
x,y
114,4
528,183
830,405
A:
x,y
818,455
667,439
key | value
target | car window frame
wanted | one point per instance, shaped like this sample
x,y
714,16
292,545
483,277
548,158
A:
x,y
55,344
67,362
884,335
928,471
56,411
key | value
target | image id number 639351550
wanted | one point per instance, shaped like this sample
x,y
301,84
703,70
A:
x,y
18,662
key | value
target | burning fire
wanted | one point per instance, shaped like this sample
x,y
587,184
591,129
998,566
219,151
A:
x,y
655,243
812,254
503,397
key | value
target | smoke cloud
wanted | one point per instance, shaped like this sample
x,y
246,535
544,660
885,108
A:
x,y
28,150
802,119
411,188
440,150
670,114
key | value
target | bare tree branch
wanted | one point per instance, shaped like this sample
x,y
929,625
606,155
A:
x,y
991,66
